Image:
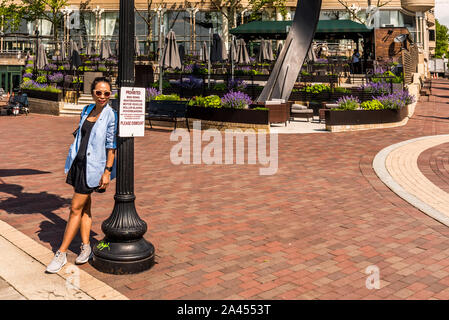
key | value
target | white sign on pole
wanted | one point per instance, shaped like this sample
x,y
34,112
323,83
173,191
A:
x,y
132,112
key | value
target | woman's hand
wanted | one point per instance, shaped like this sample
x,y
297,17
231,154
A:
x,y
104,181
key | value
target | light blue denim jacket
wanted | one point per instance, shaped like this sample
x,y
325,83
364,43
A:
x,y
102,137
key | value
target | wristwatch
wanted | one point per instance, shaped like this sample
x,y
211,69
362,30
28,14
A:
x,y
109,169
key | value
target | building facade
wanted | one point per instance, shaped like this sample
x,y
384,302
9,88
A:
x,y
194,21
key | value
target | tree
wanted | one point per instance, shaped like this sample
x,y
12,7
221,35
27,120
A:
x,y
257,6
442,40
45,9
10,15
354,11
231,13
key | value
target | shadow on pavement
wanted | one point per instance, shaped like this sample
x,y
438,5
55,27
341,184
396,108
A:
x,y
434,117
20,172
40,203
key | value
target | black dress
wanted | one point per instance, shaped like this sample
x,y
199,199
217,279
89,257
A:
x,y
77,173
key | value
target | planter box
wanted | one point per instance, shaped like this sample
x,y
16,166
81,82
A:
x,y
44,95
355,117
228,115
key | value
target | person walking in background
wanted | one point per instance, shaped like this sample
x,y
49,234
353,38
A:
x,y
356,62
90,165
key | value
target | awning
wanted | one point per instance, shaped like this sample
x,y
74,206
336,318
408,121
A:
x,y
280,29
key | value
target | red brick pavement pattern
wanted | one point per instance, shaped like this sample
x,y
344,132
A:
x,y
225,232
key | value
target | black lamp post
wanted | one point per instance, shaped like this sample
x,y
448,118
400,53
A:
x,y
36,54
124,250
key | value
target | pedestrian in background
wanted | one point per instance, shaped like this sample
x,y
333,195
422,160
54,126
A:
x,y
90,166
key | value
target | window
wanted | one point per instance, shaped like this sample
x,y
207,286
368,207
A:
x,y
431,35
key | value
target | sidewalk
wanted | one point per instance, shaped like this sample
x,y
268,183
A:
x,y
224,232
22,273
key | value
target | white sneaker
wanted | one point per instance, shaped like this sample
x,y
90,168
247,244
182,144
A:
x,y
86,253
59,260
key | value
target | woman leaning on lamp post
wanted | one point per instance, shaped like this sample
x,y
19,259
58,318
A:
x,y
90,165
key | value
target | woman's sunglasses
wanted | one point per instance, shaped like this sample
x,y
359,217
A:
x,y
99,93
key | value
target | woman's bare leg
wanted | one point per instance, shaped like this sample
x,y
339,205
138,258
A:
x,y
86,221
76,209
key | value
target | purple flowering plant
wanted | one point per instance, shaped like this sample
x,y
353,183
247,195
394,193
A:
x,y
396,100
28,75
190,82
236,85
236,100
348,103
151,93
56,77
50,67
377,88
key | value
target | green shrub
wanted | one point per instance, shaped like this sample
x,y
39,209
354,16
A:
x,y
220,87
372,105
61,68
171,97
41,79
208,102
25,79
29,70
165,84
260,108
316,88
342,90
348,103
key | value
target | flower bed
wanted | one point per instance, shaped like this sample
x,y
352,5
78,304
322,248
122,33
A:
x,y
387,108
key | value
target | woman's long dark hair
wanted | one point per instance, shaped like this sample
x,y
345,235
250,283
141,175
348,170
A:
x,y
98,80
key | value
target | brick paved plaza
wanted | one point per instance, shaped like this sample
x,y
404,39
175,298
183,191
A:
x,y
226,232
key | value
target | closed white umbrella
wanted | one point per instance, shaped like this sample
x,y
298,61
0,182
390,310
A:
x,y
137,47
204,54
269,48
170,55
242,53
42,58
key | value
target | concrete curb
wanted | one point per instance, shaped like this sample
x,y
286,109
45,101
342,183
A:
x,y
87,285
382,171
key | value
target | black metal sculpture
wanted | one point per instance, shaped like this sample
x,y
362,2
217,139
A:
x,y
294,51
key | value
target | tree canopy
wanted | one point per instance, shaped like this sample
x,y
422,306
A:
x,y
442,40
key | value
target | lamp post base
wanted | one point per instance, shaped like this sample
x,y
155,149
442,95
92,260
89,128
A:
x,y
123,257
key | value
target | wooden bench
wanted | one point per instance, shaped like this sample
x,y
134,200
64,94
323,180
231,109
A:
x,y
173,111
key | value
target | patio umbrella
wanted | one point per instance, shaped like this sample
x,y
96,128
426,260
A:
x,y
311,54
269,49
263,54
233,48
204,53
242,53
75,59
137,47
90,48
182,52
116,48
42,58
218,51
104,50
108,44
63,54
80,44
170,55
70,48
279,49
